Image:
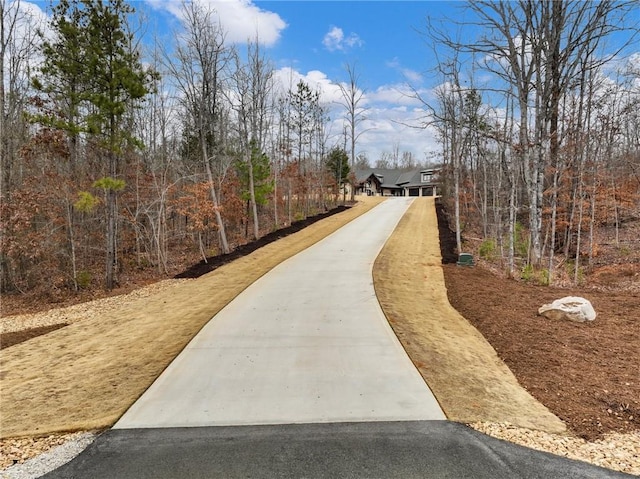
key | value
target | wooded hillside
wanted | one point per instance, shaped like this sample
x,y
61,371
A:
x,y
543,159
118,159
123,157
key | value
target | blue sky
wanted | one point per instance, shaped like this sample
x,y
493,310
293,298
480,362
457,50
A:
x,y
380,36
382,40
314,40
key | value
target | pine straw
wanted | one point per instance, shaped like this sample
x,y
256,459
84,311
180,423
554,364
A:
x,y
464,372
86,375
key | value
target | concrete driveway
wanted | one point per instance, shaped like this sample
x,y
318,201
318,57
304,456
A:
x,y
306,343
301,376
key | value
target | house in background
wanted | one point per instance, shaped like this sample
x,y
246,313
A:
x,y
384,182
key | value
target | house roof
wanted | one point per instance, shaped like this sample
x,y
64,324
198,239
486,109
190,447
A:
x,y
387,177
394,178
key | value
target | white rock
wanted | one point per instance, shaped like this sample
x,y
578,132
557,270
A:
x,y
572,308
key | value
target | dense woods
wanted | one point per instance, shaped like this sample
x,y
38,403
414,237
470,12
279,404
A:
x,y
120,156
548,150
117,158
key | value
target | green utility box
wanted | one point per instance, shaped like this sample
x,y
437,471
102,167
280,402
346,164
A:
x,y
465,259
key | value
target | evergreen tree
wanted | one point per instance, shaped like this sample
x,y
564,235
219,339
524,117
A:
x,y
93,74
261,167
62,76
338,165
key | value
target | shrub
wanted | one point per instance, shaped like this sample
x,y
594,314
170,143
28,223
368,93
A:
x,y
570,268
521,241
83,279
487,249
527,273
624,250
543,277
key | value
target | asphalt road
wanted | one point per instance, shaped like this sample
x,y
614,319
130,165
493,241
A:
x,y
301,376
396,450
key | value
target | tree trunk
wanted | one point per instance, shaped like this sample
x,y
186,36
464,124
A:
x,y
72,246
456,186
110,265
554,214
252,198
214,197
512,223
111,259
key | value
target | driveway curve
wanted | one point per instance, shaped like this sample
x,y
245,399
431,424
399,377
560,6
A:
x,y
305,369
306,343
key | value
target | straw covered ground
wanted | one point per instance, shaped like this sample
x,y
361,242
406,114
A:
x,y
85,375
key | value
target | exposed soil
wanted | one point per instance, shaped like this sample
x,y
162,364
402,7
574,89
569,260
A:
x,y
585,373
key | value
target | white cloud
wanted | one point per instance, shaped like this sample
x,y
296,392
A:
x,y
174,7
399,94
240,19
334,40
22,20
387,127
390,116
411,76
287,78
31,9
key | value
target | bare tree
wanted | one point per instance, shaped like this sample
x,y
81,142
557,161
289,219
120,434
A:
x,y
18,42
352,99
541,49
539,53
157,123
252,90
199,63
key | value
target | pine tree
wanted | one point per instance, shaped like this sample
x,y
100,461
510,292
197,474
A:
x,y
93,75
338,165
62,77
261,174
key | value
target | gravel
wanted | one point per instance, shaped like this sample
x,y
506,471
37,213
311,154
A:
x,y
78,312
619,452
39,462
22,458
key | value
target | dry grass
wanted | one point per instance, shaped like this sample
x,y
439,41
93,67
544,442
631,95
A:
x,y
471,383
86,375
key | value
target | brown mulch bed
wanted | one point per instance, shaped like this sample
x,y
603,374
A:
x,y
36,301
17,337
213,262
585,373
